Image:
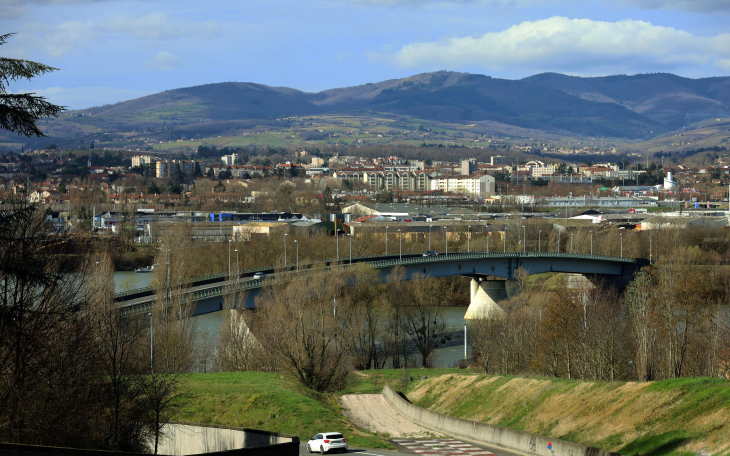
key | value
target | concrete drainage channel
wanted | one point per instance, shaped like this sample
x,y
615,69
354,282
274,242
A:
x,y
486,434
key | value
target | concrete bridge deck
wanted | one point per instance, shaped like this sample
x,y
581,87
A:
x,y
208,291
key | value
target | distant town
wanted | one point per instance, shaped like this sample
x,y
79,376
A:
x,y
95,190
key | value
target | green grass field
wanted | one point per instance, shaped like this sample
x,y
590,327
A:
x,y
268,401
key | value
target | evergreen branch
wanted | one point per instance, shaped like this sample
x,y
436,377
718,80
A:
x,y
19,113
13,69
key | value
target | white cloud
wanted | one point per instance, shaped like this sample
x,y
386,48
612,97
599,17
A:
x,y
700,6
576,46
165,61
158,26
21,8
59,39
85,97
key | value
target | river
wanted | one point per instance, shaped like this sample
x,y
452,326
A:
x,y
208,324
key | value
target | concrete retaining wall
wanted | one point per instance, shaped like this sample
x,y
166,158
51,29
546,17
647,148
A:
x,y
195,439
258,443
487,434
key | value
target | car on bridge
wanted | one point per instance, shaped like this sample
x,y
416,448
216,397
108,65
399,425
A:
x,y
259,275
327,441
430,253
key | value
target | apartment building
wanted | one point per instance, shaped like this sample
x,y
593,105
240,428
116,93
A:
x,y
229,160
497,160
474,186
140,160
164,168
375,179
468,166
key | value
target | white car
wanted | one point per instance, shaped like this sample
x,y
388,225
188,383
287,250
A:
x,y
327,441
259,275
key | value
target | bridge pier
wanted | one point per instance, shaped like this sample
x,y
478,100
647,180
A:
x,y
484,297
577,282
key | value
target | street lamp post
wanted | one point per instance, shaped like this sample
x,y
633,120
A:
x,y
337,241
504,241
465,344
229,258
386,239
400,244
486,227
238,266
350,236
296,241
468,239
539,236
429,237
650,247
571,242
621,236
285,235
524,239
446,236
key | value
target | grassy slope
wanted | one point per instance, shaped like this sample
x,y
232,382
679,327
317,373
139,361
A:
x,y
268,401
679,416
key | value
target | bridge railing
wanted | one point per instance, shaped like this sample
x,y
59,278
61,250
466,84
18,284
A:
x,y
441,257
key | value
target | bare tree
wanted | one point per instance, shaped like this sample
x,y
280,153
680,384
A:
x,y
306,327
118,340
423,320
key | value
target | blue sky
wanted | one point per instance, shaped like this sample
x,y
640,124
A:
x,y
114,50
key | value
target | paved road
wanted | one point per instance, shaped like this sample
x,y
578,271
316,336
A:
x,y
407,447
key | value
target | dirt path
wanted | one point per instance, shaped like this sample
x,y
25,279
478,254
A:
x,y
372,412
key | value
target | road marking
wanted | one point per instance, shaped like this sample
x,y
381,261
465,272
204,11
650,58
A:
x,y
443,447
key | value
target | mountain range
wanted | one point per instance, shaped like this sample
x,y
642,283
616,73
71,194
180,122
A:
x,y
639,106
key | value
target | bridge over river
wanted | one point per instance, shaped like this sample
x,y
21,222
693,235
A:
x,y
489,272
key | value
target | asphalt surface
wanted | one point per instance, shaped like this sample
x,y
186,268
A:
x,y
406,448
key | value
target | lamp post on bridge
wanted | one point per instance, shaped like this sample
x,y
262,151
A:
x,y
539,236
296,241
337,241
446,236
429,236
386,239
524,239
285,235
229,258
468,239
486,227
504,240
238,266
400,244
621,236
350,236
